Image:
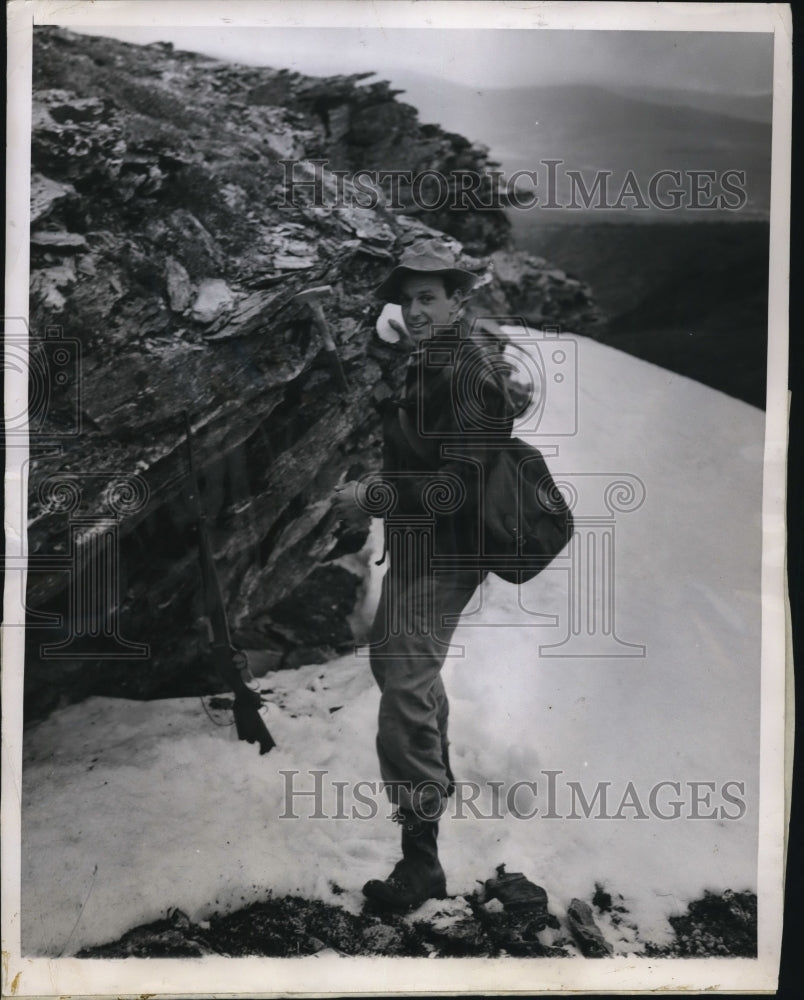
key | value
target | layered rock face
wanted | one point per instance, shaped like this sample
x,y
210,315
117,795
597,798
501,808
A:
x,y
167,248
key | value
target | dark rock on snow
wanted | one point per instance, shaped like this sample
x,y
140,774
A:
x,y
719,924
519,896
714,926
585,931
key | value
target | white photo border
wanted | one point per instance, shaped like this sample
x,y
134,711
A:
x,y
27,977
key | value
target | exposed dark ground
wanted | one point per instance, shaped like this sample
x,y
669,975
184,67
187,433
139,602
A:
x,y
718,925
689,296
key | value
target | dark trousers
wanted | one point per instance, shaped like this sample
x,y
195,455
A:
x,y
409,642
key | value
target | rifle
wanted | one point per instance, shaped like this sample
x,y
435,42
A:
x,y
231,663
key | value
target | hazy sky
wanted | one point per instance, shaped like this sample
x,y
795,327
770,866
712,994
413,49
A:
x,y
735,63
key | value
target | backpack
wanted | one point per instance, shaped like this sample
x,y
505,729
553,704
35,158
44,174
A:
x,y
527,521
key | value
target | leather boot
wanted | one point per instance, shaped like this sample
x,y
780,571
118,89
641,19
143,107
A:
x,y
418,876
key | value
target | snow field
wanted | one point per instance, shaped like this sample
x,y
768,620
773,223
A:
x,y
131,808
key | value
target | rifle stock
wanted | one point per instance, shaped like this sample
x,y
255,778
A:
x,y
230,663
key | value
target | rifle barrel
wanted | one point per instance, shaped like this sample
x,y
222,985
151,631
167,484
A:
x,y
249,723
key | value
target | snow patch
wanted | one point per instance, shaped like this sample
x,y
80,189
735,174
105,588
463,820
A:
x,y
132,808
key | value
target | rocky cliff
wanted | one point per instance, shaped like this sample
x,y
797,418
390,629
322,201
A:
x,y
166,252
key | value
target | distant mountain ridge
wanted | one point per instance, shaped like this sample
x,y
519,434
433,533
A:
x,y
756,107
593,128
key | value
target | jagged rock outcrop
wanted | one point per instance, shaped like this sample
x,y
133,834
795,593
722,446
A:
x,y
166,254
543,295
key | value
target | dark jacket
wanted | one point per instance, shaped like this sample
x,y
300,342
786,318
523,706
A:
x,y
439,432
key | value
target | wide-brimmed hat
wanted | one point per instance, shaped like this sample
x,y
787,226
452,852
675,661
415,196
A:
x,y
424,257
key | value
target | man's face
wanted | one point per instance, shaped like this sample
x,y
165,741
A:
x,y
425,304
